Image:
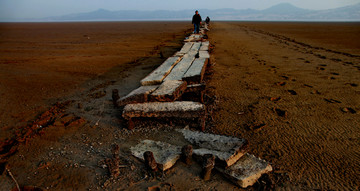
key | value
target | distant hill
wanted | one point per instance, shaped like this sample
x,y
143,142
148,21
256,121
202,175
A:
x,y
280,12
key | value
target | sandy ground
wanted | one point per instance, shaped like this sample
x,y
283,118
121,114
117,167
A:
x,y
292,93
43,62
292,90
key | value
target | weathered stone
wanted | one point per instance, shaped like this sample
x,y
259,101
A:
x,y
138,95
204,46
179,70
195,73
179,109
158,75
226,149
247,170
165,154
186,109
187,46
168,91
204,54
196,46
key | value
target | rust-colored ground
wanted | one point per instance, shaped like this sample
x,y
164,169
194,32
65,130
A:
x,y
291,89
43,62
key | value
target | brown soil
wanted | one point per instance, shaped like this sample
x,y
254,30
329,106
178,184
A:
x,y
294,114
293,94
43,62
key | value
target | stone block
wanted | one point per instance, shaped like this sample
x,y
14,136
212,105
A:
x,y
165,154
186,48
178,109
204,54
179,70
184,109
196,71
168,91
138,95
247,170
160,73
204,46
227,150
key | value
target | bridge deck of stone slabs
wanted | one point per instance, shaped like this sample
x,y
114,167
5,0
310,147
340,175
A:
x,y
160,73
195,74
247,170
177,109
139,95
168,91
165,154
227,150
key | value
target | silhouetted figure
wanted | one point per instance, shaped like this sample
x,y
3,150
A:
x,y
207,20
196,20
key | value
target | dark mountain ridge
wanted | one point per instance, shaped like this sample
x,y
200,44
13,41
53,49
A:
x,y
280,12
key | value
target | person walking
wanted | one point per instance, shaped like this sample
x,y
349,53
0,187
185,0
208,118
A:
x,y
196,21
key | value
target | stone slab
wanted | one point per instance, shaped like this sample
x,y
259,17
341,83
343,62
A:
x,y
226,149
138,95
185,109
204,46
169,90
196,71
179,70
158,75
194,50
204,54
186,48
165,154
196,46
247,170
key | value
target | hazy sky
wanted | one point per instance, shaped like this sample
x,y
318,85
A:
x,y
44,8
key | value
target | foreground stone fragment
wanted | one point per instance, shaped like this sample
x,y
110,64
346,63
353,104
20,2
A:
x,y
158,75
247,170
165,154
227,150
179,109
138,95
169,91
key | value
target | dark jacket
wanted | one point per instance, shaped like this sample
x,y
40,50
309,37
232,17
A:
x,y
196,19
